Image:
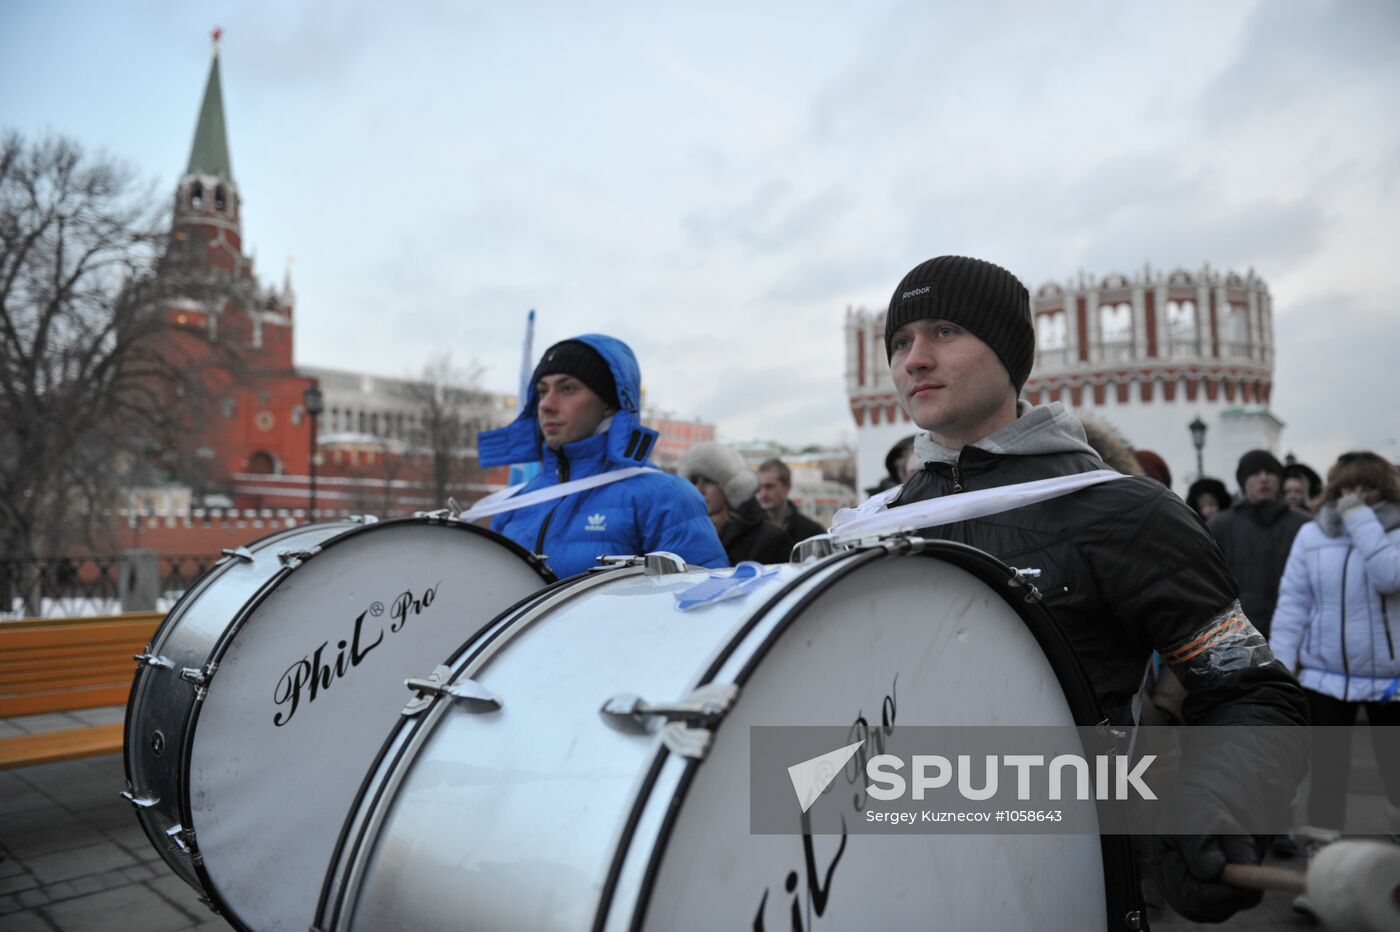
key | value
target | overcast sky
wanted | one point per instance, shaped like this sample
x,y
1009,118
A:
x,y
716,184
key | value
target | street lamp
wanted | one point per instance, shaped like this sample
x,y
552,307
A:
x,y
315,404
1198,437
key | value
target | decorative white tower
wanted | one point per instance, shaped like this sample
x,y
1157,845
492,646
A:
x,y
1147,355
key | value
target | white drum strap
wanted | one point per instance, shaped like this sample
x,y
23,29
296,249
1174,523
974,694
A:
x,y
500,502
874,517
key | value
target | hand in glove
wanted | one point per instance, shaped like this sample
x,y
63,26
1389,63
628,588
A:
x,y
1188,868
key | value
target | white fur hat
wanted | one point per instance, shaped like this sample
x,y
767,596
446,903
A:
x,y
722,466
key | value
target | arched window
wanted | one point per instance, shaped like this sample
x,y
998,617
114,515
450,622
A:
x,y
197,195
1052,331
262,463
219,198
1181,318
1116,322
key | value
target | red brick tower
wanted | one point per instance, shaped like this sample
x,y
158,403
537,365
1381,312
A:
x,y
256,423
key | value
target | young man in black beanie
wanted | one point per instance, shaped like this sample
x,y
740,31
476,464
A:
x,y
1256,533
1126,566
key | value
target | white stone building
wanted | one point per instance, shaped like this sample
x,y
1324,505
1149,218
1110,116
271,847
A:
x,y
1147,355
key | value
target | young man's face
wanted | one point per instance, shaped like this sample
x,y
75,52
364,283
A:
x,y
950,382
772,491
1261,487
568,410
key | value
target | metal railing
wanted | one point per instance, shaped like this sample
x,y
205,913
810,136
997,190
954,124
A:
x,y
68,587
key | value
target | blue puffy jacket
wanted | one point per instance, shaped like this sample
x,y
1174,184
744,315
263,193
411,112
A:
x,y
653,511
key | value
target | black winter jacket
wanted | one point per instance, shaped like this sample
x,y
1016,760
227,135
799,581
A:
x,y
1255,539
1127,567
799,527
749,535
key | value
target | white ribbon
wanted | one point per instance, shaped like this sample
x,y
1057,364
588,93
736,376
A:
x,y
500,502
874,517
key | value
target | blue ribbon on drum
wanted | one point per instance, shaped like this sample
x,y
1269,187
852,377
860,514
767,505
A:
x,y
721,587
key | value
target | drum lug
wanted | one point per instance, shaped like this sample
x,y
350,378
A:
x,y
893,544
818,547
197,676
690,723
182,841
140,802
472,695
237,553
1021,579
154,660
294,558
656,563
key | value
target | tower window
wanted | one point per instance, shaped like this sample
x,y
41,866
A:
x,y
197,195
219,198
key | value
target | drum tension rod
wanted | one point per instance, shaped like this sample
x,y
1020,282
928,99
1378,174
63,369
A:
x,y
140,802
472,695
689,722
237,553
1021,579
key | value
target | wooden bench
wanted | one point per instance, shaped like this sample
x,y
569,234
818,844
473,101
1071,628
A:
x,y
62,664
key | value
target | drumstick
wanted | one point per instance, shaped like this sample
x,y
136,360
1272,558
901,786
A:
x,y
1257,877
1352,885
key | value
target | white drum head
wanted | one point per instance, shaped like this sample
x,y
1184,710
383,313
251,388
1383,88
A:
x,y
306,689
962,656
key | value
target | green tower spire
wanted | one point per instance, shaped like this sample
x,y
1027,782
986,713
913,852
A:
x,y
209,155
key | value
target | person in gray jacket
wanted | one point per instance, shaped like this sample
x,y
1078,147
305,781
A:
x,y
1334,626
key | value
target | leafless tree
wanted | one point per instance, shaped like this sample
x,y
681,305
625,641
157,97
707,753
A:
x,y
449,400
98,387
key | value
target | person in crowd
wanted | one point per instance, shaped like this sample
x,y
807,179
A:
x,y
1154,466
1208,497
1255,534
1126,566
898,465
728,487
1334,625
1301,486
580,420
1109,445
774,487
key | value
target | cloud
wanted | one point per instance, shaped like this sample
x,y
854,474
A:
x,y
1336,378
1305,56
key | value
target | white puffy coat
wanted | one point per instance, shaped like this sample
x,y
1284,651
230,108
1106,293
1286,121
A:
x,y
1336,617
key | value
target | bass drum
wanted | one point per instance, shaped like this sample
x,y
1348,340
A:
x,y
536,811
266,692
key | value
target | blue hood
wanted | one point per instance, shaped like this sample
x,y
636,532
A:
x,y
629,443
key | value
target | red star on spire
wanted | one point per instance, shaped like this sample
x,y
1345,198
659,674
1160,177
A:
x,y
217,34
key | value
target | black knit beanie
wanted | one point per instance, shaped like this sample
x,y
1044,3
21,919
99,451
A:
x,y
583,362
984,298
1256,460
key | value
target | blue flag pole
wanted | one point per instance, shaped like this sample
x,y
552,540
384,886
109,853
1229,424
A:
x,y
524,472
